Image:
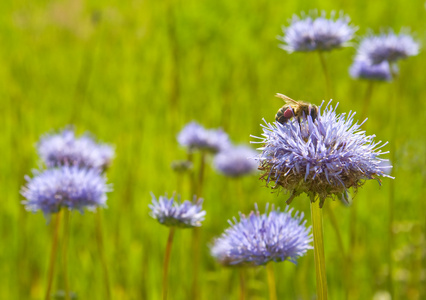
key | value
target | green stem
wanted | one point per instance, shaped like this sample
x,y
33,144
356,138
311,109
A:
x,y
367,100
65,252
242,283
201,174
99,240
195,262
166,262
321,278
329,89
393,126
53,255
271,281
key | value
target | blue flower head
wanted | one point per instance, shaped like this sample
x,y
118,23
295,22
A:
x,y
260,238
322,158
195,137
389,47
68,187
65,149
311,33
362,69
170,213
236,161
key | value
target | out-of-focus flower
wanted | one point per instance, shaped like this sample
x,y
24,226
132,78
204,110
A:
x,y
323,158
181,166
68,187
195,137
362,69
387,47
183,215
236,161
260,238
65,149
310,33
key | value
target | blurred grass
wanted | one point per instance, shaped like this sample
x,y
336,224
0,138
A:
x,y
133,73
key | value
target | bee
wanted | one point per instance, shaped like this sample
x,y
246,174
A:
x,y
293,108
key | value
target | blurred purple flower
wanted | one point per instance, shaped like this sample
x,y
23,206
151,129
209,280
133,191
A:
x,y
64,149
323,158
183,215
68,187
236,161
260,238
195,137
310,33
362,69
387,47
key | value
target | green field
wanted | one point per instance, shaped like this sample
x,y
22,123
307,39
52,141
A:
x,y
133,73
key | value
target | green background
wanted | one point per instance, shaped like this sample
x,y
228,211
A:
x,y
133,73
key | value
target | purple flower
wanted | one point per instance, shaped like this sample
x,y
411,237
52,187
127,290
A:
x,y
183,215
68,187
64,149
362,69
310,33
260,238
236,161
387,47
195,137
323,158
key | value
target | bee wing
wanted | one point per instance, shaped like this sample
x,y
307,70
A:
x,y
287,100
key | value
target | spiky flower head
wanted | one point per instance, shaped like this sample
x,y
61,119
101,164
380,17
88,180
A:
x,y
322,158
173,214
362,69
317,33
388,46
236,161
195,137
65,149
69,187
260,238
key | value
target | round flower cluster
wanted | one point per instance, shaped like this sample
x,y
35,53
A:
x,y
311,33
236,161
68,187
322,158
64,149
260,238
195,137
170,213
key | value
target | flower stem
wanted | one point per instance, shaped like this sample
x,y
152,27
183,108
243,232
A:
x,y
242,283
329,89
271,281
321,278
166,262
99,241
65,253
367,100
53,255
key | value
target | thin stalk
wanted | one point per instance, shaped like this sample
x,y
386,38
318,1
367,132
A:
x,y
166,262
99,241
201,174
52,259
65,252
195,262
329,89
395,96
367,100
196,231
242,283
271,281
321,278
